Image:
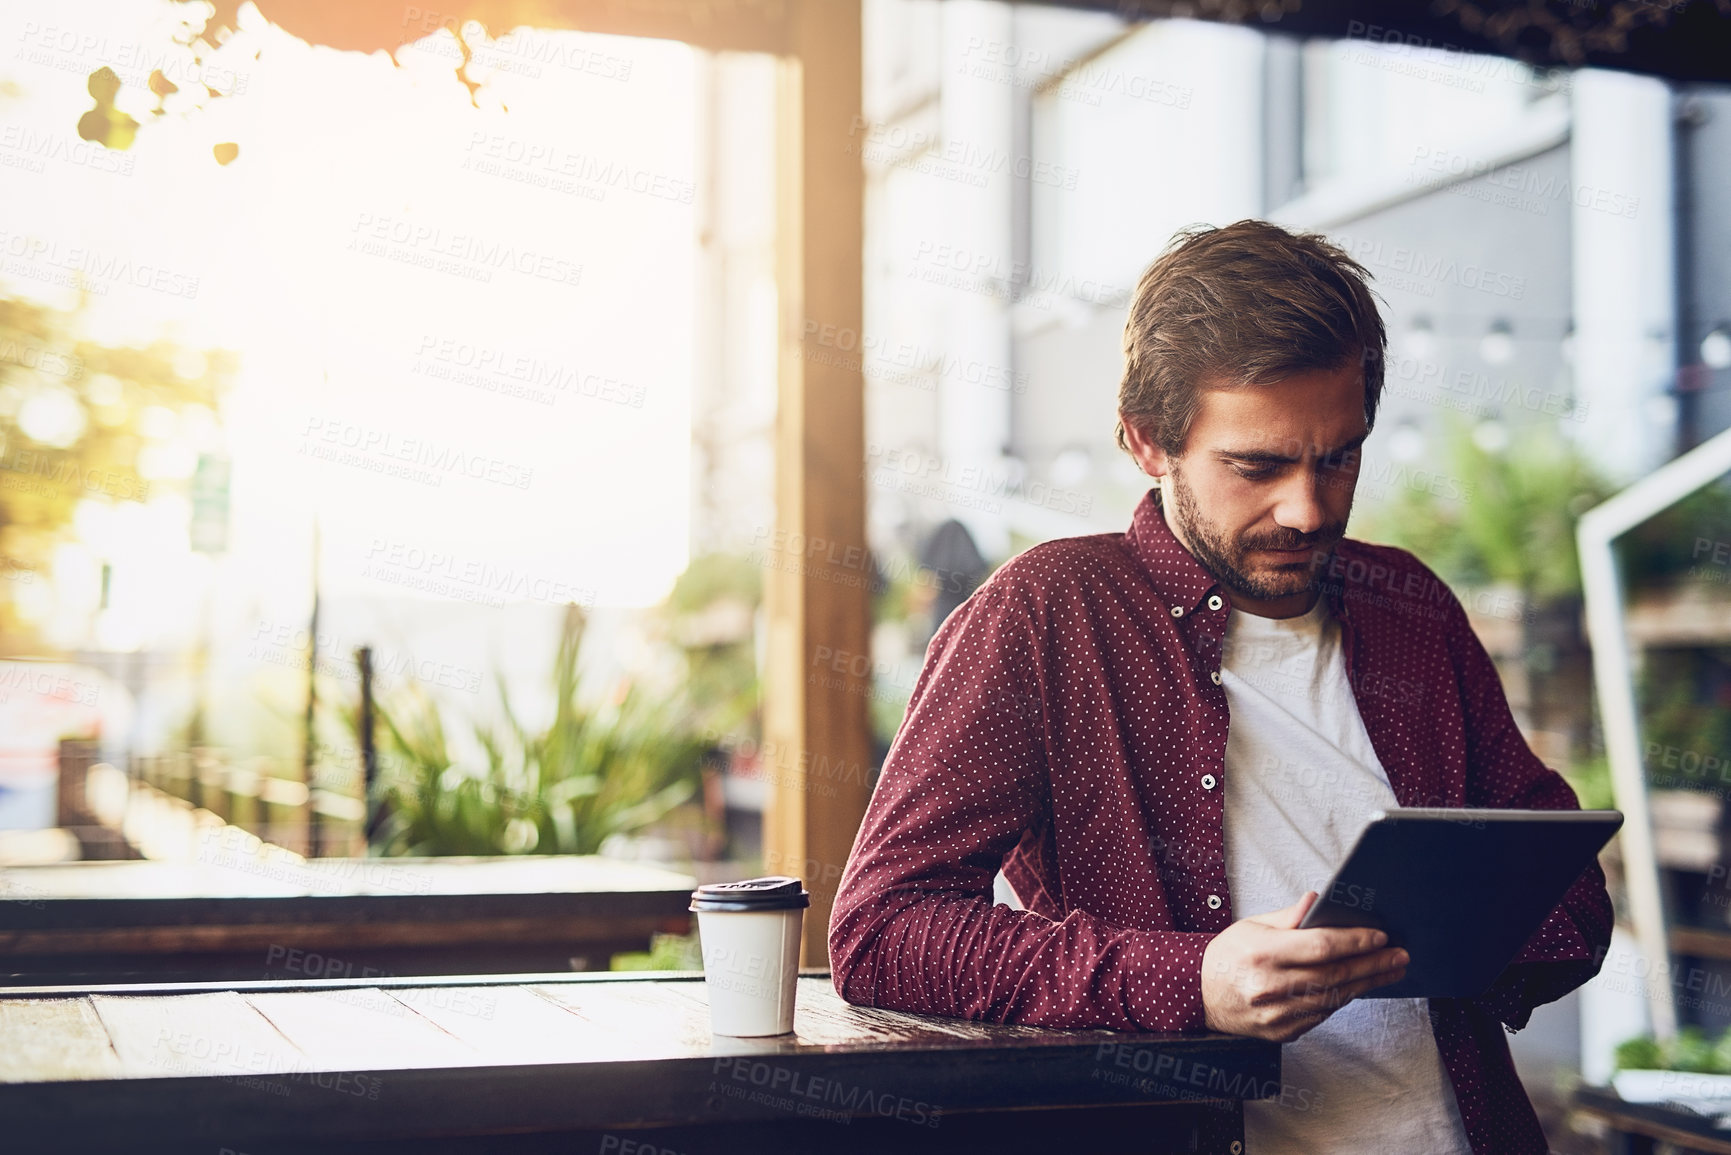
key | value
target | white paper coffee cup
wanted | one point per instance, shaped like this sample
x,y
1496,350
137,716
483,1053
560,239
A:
x,y
750,932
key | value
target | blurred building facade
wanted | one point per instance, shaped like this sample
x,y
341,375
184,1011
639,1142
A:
x,y
1545,243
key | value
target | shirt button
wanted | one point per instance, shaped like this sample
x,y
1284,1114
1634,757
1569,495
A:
x,y
1214,602
1214,676
1177,611
1214,902
1208,782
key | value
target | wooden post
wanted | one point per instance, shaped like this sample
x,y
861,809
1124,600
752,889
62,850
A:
x,y
70,807
816,726
369,751
310,737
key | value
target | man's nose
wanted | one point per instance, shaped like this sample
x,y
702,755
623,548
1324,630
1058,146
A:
x,y
1300,505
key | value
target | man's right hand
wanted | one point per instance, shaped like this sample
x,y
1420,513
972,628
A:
x,y
1264,977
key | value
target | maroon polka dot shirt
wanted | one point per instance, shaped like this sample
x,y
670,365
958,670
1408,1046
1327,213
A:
x,y
1069,727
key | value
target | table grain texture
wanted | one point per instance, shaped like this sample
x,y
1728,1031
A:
x,y
611,1063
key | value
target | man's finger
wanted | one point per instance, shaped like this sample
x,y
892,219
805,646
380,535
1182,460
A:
x,y
1333,998
1304,980
1323,944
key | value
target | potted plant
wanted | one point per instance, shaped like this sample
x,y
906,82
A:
x,y
594,771
1691,1066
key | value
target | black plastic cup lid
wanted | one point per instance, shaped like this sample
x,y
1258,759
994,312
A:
x,y
775,892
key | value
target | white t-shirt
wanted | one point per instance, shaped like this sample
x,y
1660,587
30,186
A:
x,y
1301,782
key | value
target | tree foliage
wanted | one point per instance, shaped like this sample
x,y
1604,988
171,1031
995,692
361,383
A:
x,y
81,420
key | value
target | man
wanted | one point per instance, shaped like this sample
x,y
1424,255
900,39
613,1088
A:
x,y
1071,726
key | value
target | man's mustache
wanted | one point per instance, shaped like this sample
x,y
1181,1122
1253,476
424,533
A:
x,y
1317,543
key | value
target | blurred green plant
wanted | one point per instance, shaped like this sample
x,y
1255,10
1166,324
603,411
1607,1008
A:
x,y
1692,1050
1590,779
1685,726
667,952
593,772
1518,524
1680,541
711,615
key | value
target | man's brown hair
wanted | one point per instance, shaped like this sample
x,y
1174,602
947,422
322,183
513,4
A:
x,y
1247,304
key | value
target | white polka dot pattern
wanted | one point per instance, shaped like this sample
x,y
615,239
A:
x,y
1066,727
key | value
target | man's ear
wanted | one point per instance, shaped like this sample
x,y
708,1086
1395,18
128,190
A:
x,y
1152,459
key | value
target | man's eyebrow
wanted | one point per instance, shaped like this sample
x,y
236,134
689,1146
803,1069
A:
x,y
1267,457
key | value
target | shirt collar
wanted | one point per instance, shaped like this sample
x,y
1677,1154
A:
x,y
1178,577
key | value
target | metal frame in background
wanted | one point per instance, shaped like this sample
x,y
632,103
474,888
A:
x,y
1614,685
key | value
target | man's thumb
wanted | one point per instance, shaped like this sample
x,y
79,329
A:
x,y
1288,918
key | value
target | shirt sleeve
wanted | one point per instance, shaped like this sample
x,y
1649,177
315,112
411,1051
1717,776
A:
x,y
914,926
1504,773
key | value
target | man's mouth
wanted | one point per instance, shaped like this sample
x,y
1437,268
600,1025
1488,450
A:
x,y
1303,550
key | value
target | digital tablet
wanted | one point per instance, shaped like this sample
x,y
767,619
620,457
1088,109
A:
x,y
1461,890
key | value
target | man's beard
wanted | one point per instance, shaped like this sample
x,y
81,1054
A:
x,y
1227,561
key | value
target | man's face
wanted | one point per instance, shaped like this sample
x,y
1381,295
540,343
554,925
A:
x,y
1264,486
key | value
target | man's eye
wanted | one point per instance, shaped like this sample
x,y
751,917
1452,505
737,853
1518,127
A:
x,y
1253,472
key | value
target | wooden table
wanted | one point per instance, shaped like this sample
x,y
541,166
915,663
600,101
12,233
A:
x,y
616,1064
244,918
1636,1128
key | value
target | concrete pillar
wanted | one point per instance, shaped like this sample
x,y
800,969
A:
x,y
1624,269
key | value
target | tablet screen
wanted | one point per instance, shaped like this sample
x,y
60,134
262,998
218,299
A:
x,y
1461,890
